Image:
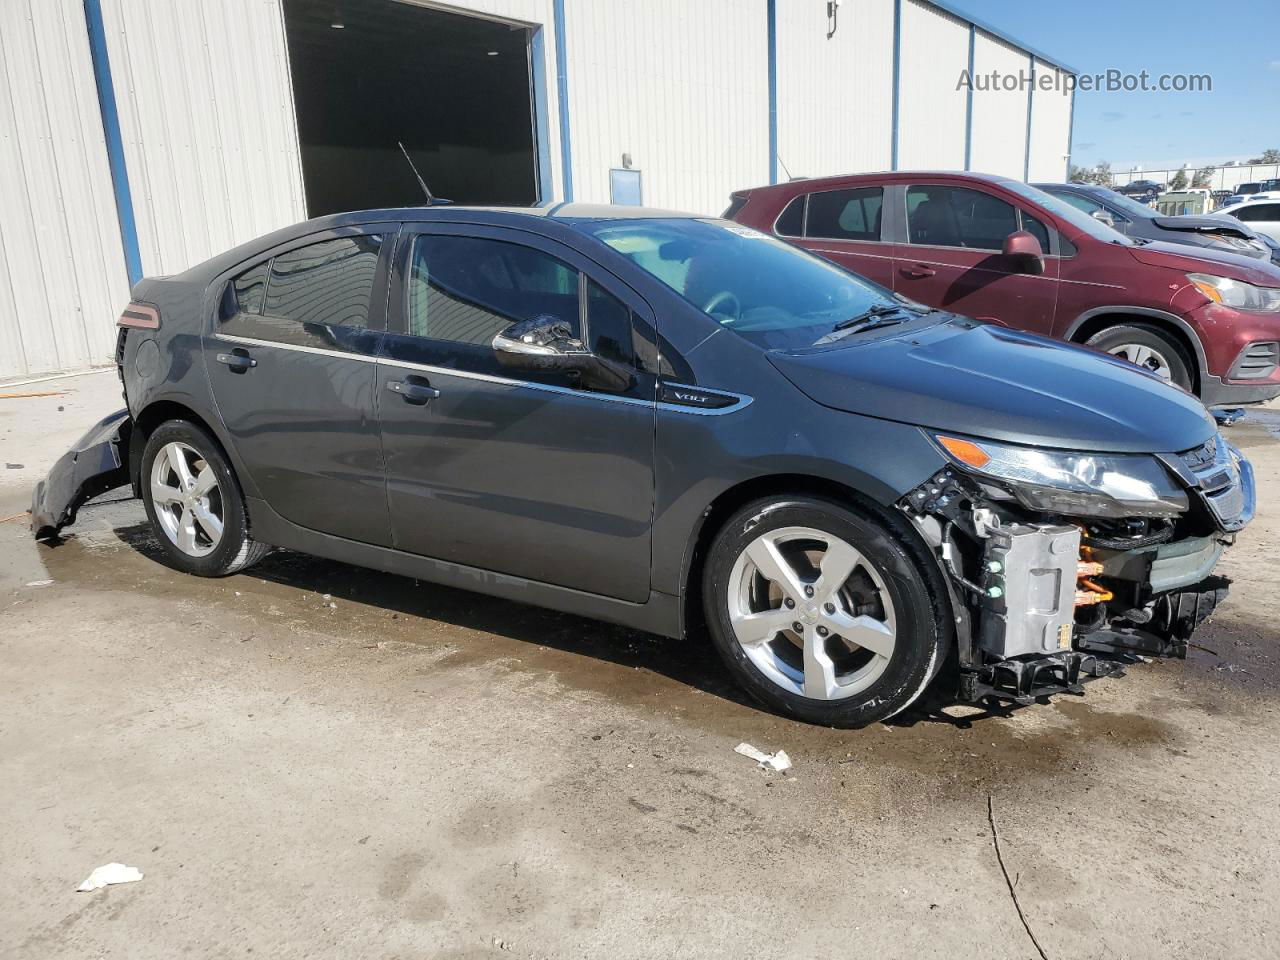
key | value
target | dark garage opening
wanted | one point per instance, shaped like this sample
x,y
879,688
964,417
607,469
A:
x,y
454,89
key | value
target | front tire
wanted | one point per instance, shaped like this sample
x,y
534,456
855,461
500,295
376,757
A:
x,y
194,502
821,612
1146,347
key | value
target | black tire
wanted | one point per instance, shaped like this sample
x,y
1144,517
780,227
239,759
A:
x,y
923,629
1144,335
235,550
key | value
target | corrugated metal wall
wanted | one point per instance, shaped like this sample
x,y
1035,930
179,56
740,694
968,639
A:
x,y
932,105
835,97
681,87
62,273
206,114
1050,129
999,116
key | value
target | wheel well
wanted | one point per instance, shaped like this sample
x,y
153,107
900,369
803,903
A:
x,y
146,422
1179,336
727,503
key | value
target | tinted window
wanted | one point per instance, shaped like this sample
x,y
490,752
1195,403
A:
x,y
314,296
1036,229
767,291
791,223
845,214
958,217
1259,212
1080,203
1065,211
609,328
466,290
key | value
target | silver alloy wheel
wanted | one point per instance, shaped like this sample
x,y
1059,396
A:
x,y
1143,356
812,613
187,499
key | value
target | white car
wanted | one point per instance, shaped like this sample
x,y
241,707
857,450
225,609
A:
x,y
1262,213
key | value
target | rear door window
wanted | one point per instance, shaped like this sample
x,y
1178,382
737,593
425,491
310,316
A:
x,y
1259,212
316,296
853,214
942,216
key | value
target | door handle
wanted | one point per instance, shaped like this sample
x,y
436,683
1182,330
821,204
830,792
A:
x,y
413,390
239,361
918,270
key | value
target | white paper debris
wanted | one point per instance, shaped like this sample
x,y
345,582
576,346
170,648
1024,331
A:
x,y
108,874
770,761
39,583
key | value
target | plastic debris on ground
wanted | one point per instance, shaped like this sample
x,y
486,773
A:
x,y
769,761
110,873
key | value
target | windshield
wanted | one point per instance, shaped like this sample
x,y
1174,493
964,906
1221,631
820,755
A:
x,y
1129,206
1065,211
773,294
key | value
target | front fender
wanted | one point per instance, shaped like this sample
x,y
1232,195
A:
x,y
98,462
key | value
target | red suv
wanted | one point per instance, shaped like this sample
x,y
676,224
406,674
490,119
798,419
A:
x,y
1000,250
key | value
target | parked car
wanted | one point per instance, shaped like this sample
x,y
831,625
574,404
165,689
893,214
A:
x,y
1242,192
1261,215
1001,250
1146,190
660,419
1133,219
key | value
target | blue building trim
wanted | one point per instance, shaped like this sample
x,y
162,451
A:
x,y
562,95
115,144
1071,134
771,8
1031,92
538,71
968,103
897,78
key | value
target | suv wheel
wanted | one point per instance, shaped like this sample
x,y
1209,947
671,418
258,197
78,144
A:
x,y
1148,348
820,612
194,502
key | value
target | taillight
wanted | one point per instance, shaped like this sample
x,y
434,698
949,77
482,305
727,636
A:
x,y
141,316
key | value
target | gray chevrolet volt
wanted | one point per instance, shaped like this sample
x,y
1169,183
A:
x,y
678,424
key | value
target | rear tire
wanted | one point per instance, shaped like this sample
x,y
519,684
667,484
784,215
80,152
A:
x,y
1145,346
821,612
194,503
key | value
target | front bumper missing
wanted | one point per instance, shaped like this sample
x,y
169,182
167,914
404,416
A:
x,y
97,463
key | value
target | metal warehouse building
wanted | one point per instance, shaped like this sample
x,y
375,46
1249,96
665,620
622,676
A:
x,y
143,136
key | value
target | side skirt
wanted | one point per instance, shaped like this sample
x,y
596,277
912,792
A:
x,y
659,614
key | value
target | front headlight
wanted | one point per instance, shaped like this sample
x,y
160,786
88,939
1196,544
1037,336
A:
x,y
1237,293
1074,484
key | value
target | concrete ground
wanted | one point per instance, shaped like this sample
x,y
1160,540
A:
x,y
313,760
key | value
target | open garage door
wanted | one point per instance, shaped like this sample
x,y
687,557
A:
x,y
456,90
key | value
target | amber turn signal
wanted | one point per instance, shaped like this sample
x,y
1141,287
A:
x,y
966,451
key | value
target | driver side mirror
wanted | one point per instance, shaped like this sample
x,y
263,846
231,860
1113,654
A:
x,y
1023,252
546,344
1102,216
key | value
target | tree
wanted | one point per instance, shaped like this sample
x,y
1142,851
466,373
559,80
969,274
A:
x,y
1080,174
1179,181
1268,156
1204,177
1102,174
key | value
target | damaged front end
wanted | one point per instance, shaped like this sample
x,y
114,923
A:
x,y
1063,567
97,463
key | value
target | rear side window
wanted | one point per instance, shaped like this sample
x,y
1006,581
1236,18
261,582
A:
x,y
314,296
941,216
845,214
1259,212
791,222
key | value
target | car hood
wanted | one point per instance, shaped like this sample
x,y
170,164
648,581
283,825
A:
x,y
988,381
1207,260
1198,224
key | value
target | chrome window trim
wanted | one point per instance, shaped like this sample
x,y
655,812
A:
x,y
741,400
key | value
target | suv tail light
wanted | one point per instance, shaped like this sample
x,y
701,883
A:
x,y
141,316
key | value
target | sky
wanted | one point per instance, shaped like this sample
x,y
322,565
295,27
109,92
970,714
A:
x,y
1240,50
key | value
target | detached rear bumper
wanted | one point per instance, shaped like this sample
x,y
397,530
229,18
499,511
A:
x,y
97,463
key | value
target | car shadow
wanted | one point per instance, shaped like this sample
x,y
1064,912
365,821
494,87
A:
x,y
691,662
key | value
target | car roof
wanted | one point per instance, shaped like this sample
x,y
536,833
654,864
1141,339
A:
x,y
843,179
